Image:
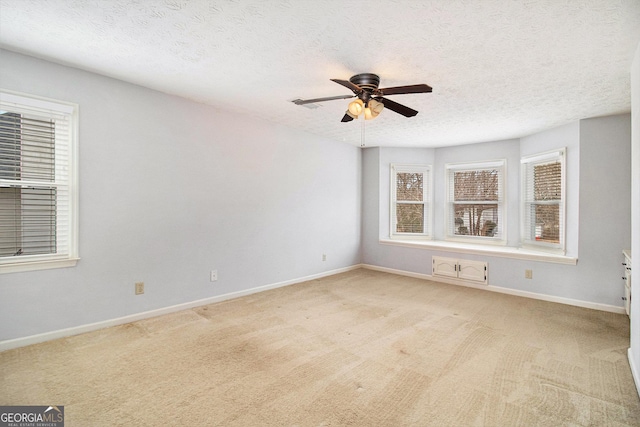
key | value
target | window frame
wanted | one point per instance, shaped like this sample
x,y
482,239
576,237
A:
x,y
427,201
527,240
449,212
66,161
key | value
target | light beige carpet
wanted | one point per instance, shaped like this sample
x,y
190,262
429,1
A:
x,y
362,348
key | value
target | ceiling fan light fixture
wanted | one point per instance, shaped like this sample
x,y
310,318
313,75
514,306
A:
x,y
376,107
356,107
368,115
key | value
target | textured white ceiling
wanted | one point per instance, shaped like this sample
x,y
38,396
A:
x,y
499,68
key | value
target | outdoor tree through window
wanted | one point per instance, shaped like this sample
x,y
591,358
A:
x,y
476,203
410,215
543,199
410,200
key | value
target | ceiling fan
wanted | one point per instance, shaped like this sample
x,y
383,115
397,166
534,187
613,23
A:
x,y
370,99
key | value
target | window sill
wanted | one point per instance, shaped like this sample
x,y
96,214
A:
x,y
17,267
499,251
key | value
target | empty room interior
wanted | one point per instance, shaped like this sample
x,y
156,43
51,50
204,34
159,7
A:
x,y
320,213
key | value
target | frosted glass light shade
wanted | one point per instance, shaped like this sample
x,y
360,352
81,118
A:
x,y
356,107
376,107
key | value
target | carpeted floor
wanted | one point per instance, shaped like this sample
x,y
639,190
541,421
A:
x,y
362,348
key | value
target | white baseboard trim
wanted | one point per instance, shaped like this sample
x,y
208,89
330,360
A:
x,y
76,330
398,272
516,292
634,371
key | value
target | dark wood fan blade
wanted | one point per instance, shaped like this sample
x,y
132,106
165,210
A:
x,y
398,90
395,107
346,83
328,98
346,118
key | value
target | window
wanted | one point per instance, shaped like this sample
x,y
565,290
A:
x,y
475,202
410,201
38,206
543,198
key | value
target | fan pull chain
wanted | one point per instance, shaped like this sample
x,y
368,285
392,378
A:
x,y
362,134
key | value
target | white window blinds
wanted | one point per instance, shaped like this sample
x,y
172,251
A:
x,y
543,199
37,192
475,194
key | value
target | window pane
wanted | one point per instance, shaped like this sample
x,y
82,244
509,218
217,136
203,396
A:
x,y
476,219
410,218
547,223
27,221
547,181
27,147
543,199
476,185
9,145
409,187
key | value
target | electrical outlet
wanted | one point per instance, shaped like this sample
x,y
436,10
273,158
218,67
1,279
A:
x,y
214,275
139,288
324,257
528,274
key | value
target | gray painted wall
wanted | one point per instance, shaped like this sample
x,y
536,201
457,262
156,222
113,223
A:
x,y
634,354
605,204
171,189
598,189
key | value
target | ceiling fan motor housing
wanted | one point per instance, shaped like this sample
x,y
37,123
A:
x,y
367,81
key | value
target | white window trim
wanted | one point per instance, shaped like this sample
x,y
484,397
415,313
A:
x,y
426,170
477,240
49,261
527,243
